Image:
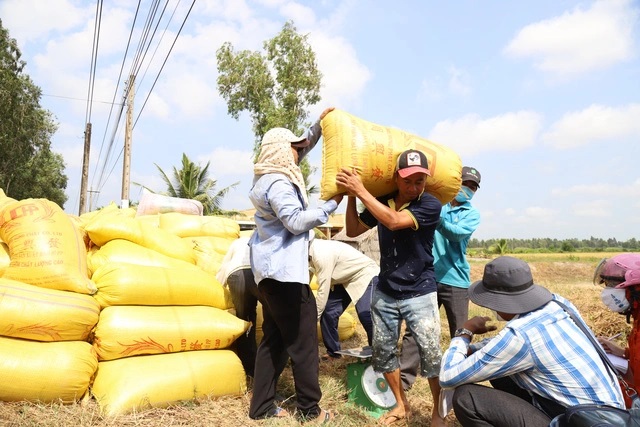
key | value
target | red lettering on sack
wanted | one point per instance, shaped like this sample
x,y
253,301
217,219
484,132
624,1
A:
x,y
23,210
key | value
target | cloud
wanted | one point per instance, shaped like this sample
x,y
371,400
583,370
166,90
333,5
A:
x,y
538,212
593,124
471,134
628,191
303,16
344,76
592,208
225,161
33,20
580,40
458,81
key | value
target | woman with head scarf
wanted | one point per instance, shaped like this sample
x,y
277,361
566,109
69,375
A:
x,y
280,264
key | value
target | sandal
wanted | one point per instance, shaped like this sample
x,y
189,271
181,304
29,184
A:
x,y
324,417
280,413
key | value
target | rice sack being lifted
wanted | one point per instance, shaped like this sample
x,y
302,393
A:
x,y
372,150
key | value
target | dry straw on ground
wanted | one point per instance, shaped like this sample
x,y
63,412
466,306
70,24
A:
x,y
570,276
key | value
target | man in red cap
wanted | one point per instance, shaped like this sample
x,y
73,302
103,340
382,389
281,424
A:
x,y
459,219
406,289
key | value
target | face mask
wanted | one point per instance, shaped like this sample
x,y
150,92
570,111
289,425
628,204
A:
x,y
498,317
464,195
615,299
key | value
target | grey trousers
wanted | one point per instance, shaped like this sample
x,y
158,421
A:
x,y
456,306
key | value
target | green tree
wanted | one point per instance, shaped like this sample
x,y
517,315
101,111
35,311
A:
x,y
42,177
193,182
501,247
27,166
275,87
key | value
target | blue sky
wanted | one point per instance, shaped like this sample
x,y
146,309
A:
x,y
543,97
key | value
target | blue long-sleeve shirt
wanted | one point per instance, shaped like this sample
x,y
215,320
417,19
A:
x,y
280,244
457,224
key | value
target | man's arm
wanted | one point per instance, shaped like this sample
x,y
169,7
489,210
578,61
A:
x,y
352,223
393,220
458,231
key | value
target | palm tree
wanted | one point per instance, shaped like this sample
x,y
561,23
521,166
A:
x,y
193,182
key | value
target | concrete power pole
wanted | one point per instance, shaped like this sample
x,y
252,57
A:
x,y
126,163
85,170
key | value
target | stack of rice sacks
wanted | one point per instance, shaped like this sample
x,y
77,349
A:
x,y
46,308
164,329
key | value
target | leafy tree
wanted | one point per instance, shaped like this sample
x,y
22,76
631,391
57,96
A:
x,y
567,247
42,177
275,87
193,182
27,166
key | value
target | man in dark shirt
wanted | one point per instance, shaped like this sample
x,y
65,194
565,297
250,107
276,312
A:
x,y
406,290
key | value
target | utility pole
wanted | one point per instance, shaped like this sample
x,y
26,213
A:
x,y
91,193
126,163
85,170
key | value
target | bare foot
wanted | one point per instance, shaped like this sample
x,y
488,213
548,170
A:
x,y
393,416
436,419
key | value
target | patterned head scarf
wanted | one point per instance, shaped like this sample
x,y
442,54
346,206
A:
x,y
276,157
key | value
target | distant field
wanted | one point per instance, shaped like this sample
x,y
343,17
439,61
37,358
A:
x,y
594,257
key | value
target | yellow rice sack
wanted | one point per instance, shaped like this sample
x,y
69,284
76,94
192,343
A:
x,y
136,330
121,283
210,244
124,251
153,220
42,314
45,371
110,210
137,383
46,248
4,199
103,230
371,149
313,284
346,326
5,260
184,225
208,252
246,233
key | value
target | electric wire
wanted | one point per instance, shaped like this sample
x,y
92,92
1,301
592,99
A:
x,y
146,39
128,88
163,64
94,60
109,149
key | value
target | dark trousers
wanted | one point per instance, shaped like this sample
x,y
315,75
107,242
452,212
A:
x,y
245,297
337,303
290,331
504,405
456,306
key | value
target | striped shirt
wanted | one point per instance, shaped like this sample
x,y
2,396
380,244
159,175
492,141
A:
x,y
544,352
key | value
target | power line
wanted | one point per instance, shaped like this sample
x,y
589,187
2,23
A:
x,y
94,60
78,99
110,148
163,63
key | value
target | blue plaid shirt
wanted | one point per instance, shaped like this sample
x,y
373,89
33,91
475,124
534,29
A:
x,y
544,352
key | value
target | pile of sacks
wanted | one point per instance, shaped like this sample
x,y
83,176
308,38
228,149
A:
x,y
122,307
126,308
